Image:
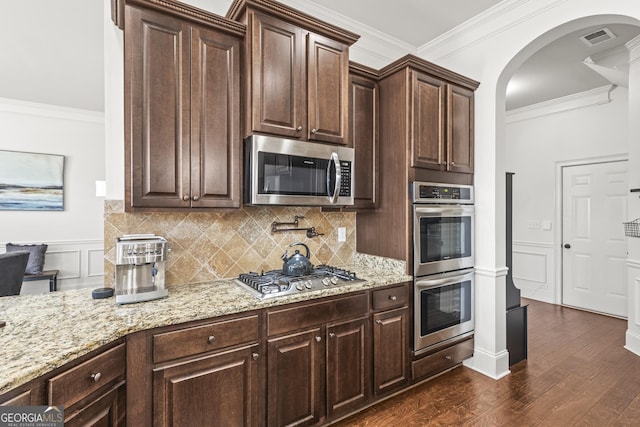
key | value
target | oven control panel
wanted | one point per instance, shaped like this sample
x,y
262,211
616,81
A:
x,y
432,192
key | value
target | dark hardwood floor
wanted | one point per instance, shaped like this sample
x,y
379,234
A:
x,y
577,373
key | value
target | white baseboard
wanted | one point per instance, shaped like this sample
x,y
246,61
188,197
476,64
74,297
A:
x,y
632,342
492,365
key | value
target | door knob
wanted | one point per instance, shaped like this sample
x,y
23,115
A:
x,y
567,246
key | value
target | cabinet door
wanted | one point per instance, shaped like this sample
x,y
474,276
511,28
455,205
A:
x,y
157,104
363,113
390,344
278,77
327,89
460,129
348,366
107,410
217,390
215,139
428,143
295,381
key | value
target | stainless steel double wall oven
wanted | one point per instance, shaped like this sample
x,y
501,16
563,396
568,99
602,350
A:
x,y
443,259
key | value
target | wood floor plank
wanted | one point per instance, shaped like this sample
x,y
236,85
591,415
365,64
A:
x,y
577,373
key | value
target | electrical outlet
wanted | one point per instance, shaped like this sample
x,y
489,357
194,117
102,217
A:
x,y
533,225
342,234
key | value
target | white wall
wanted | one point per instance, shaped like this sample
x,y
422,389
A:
x,y
490,53
579,128
74,235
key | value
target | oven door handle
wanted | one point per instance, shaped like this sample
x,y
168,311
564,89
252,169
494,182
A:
x,y
432,283
333,197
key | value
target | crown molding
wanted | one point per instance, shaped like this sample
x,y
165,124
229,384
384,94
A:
x,y
494,20
597,96
16,106
374,48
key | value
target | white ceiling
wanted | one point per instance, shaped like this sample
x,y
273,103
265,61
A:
x,y
53,50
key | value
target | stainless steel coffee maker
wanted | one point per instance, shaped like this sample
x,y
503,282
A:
x,y
140,260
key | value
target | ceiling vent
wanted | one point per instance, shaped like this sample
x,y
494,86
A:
x,y
598,36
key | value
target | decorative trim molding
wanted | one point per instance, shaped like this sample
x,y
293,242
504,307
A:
x,y
633,263
16,106
238,8
597,96
491,272
493,365
178,9
422,65
632,342
632,46
534,244
485,25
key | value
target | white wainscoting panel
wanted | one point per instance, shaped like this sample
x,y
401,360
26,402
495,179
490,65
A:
x,y
533,270
80,265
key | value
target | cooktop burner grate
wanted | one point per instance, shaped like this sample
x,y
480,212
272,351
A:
x,y
275,283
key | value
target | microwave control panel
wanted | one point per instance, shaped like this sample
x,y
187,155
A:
x,y
345,183
430,192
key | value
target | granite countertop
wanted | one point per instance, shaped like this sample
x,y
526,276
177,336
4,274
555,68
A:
x,y
45,331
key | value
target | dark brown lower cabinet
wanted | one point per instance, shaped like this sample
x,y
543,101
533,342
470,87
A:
x,y
390,338
216,390
348,366
106,410
295,386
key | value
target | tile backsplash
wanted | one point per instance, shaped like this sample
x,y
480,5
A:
x,y
207,246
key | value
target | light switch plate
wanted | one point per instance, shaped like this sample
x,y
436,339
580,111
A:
x,y
342,234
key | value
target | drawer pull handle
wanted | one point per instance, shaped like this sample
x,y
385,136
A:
x,y
379,322
318,339
255,356
96,377
447,357
211,339
393,297
332,335
313,131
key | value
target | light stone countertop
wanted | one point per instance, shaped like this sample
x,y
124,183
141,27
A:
x,y
45,331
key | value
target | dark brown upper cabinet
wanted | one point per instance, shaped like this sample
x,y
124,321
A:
x,y
182,109
442,131
364,96
297,82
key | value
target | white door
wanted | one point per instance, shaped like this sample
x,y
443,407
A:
x,y
594,202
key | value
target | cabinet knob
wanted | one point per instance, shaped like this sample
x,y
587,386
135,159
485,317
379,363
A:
x,y
379,322
96,377
299,128
196,198
447,357
332,335
313,131
185,198
318,339
453,163
255,356
393,297
211,339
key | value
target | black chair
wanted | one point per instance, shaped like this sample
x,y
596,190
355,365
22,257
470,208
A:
x,y
12,267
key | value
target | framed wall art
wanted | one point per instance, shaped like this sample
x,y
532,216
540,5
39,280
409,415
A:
x,y
31,181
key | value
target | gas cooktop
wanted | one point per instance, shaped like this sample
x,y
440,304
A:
x,y
269,284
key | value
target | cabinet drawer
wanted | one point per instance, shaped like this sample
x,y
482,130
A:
x,y
80,381
304,316
396,296
200,339
442,360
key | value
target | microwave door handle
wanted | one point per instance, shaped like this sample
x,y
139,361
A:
x,y
333,197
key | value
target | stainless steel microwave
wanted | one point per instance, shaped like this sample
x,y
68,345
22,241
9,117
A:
x,y
280,171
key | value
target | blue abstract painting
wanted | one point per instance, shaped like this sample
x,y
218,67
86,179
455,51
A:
x,y
31,181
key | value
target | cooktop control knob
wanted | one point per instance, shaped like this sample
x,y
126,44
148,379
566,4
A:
x,y
326,281
334,280
299,286
308,284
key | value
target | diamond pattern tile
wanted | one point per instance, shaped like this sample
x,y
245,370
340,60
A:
x,y
208,246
